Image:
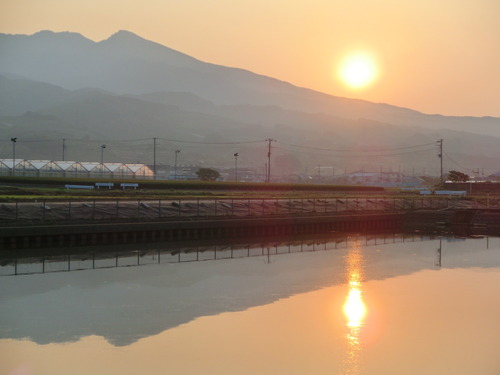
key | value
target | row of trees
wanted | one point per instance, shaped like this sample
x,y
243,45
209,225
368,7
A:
x,y
456,176
208,174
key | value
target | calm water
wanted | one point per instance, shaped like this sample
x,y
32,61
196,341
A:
x,y
357,305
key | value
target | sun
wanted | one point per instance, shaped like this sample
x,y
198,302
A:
x,y
358,70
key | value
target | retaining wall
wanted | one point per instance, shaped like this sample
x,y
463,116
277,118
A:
x,y
125,233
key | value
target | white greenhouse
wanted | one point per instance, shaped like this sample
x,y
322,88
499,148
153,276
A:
x,y
51,168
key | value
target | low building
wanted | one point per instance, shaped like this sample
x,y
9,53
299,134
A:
x,y
386,179
52,168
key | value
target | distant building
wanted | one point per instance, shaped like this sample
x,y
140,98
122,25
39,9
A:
x,y
494,176
244,174
183,173
52,168
386,179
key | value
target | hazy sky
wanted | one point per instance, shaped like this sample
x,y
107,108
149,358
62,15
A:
x,y
435,56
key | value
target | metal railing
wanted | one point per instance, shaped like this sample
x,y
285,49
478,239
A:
x,y
36,213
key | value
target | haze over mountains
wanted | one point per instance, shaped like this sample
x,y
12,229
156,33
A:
x,y
125,91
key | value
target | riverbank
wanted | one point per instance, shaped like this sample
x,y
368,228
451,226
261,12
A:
x,y
112,211
25,237
460,221
114,216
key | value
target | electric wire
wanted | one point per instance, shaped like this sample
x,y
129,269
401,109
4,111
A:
x,y
373,154
462,167
211,143
454,162
130,141
357,150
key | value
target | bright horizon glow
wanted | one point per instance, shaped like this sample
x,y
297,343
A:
x,y
358,71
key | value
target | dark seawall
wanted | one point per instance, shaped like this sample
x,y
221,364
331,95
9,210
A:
x,y
32,237
465,221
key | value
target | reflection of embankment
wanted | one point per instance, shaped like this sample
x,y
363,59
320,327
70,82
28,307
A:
x,y
65,306
464,221
78,259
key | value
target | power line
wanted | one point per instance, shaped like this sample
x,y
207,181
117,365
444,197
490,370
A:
x,y
454,162
386,154
135,140
357,150
212,143
80,140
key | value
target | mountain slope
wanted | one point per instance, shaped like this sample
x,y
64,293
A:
x,y
125,91
128,64
210,134
18,95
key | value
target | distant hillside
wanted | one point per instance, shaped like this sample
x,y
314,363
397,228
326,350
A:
x,y
87,118
18,95
125,91
128,64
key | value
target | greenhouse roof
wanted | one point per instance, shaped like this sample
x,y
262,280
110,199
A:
x,y
66,165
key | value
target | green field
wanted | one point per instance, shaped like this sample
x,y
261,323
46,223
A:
x,y
31,188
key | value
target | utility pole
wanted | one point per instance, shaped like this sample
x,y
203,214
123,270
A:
x,y
63,148
268,177
102,153
440,155
175,165
13,140
476,175
236,165
154,157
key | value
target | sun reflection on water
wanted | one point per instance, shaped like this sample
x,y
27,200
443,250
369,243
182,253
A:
x,y
354,310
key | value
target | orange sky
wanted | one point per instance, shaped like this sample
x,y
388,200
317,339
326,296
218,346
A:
x,y
433,56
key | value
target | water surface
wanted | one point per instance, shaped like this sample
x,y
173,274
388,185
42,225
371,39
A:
x,y
357,305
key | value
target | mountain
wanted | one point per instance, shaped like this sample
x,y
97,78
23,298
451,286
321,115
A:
x,y
128,64
18,95
128,88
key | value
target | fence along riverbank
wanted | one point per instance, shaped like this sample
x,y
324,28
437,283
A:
x,y
88,211
97,223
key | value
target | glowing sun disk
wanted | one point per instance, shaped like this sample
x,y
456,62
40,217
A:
x,y
358,71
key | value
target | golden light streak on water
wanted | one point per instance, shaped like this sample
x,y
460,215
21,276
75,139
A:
x,y
354,310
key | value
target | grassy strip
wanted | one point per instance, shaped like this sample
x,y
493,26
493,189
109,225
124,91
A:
x,y
189,185
31,188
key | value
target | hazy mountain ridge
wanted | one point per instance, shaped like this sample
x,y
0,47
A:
x,y
128,88
18,95
96,115
136,61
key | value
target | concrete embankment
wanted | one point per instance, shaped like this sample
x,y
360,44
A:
x,y
26,237
465,221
